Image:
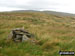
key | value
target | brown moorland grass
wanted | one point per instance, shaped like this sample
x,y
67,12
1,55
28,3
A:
x,y
53,33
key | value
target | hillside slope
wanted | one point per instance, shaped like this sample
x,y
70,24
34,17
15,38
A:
x,y
48,12
52,32
60,13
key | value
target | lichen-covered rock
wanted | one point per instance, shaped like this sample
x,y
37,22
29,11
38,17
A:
x,y
19,35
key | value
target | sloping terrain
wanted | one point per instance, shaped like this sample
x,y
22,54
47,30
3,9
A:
x,y
60,13
48,12
53,33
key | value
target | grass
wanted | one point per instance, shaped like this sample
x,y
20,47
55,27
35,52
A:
x,y
53,34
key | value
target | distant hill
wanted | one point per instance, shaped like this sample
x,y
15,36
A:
x,y
25,11
49,12
60,13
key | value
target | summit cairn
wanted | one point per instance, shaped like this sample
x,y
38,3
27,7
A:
x,y
20,35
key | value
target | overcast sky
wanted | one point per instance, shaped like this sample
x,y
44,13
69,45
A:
x,y
55,5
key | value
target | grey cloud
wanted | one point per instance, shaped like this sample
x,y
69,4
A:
x,y
34,4
58,5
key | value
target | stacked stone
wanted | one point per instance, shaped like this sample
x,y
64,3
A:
x,y
20,35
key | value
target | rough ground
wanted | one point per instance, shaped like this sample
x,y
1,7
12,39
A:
x,y
53,33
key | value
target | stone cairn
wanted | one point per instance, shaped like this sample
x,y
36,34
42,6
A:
x,y
20,35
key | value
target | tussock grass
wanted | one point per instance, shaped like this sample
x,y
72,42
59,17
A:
x,y
53,33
